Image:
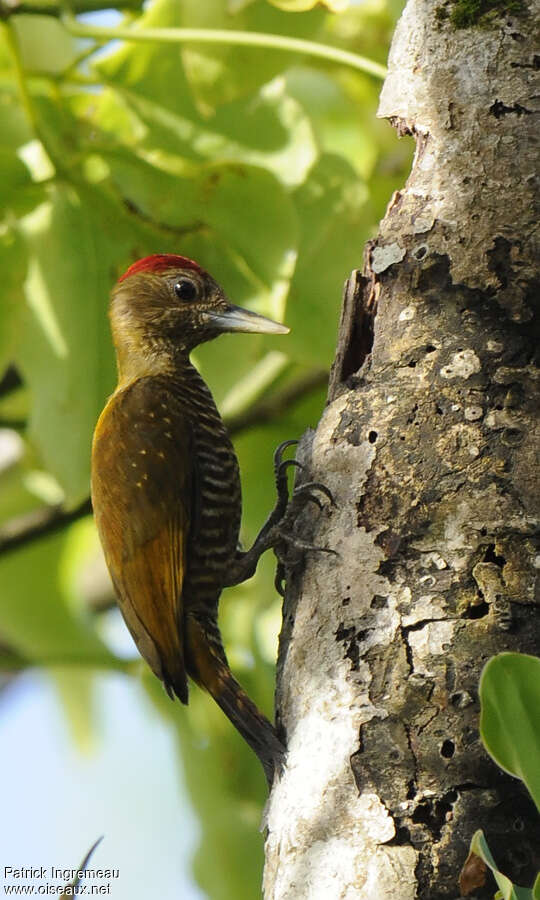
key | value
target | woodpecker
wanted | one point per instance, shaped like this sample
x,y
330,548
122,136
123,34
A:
x,y
166,486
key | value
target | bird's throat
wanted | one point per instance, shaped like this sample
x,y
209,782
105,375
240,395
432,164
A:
x,y
138,357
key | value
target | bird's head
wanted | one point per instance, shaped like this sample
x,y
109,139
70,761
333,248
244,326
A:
x,y
167,304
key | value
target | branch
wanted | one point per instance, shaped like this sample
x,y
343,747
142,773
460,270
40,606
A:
x,y
10,381
39,523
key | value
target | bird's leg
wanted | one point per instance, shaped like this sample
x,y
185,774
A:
x,y
277,531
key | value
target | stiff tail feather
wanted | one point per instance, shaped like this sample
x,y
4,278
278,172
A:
x,y
207,665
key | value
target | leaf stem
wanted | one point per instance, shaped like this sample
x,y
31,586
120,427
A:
x,y
20,78
224,36
27,102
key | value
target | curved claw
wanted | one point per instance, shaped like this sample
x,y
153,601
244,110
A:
x,y
287,464
279,580
298,544
310,486
278,452
307,495
282,486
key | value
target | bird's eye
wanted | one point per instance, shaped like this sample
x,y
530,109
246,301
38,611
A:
x,y
186,289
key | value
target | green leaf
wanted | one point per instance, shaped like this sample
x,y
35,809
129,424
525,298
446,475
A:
x,y
341,113
264,126
36,620
44,43
268,128
204,77
152,70
214,74
18,192
332,206
302,5
64,350
246,390
13,260
240,214
507,890
509,721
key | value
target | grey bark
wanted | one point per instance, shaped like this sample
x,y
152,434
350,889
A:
x,y
428,444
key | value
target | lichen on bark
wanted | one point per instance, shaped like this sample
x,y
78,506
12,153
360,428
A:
x,y
428,444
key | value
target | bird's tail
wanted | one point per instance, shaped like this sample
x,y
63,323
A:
x,y
207,665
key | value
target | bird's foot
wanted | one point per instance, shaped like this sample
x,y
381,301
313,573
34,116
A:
x,y
289,548
278,532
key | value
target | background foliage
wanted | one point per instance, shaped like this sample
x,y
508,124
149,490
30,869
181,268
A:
x,y
270,169
510,730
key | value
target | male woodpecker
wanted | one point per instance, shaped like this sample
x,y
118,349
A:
x,y
166,487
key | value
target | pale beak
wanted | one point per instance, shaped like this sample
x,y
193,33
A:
x,y
235,318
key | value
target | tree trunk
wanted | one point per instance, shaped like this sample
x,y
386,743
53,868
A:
x,y
427,444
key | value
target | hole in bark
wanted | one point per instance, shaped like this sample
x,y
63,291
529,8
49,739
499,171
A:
x,y
351,640
345,601
433,813
402,437
483,532
492,557
420,252
356,337
447,749
389,541
401,838
518,825
499,257
411,790
435,274
430,348
379,602
372,437
512,437
414,410
438,410
412,364
478,611
342,633
499,109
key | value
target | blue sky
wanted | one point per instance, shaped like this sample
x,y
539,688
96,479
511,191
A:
x,y
56,799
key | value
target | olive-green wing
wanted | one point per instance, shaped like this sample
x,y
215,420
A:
x,y
142,488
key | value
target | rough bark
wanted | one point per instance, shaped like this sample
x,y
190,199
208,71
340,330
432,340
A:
x,y
427,443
